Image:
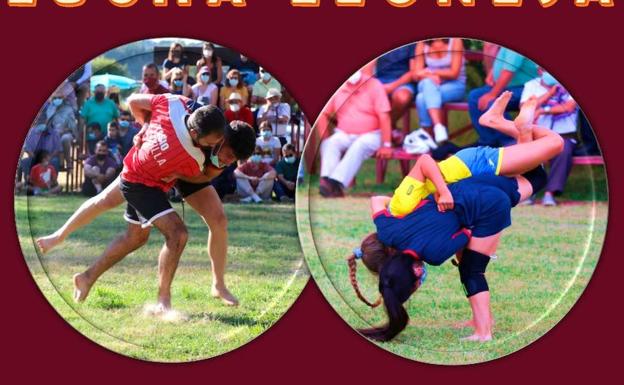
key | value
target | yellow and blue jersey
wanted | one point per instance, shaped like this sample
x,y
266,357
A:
x,y
466,163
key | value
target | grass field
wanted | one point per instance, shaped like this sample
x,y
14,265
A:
x,y
265,271
545,261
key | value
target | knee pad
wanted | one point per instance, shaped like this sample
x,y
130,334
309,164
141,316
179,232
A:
x,y
472,272
537,177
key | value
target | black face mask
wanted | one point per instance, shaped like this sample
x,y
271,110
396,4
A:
x,y
99,96
100,157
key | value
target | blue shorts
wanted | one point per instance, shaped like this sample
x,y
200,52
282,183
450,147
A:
x,y
482,160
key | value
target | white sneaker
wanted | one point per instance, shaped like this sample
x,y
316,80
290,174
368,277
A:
x,y
246,200
426,138
440,133
256,198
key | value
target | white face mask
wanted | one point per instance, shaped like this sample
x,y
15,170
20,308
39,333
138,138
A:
x,y
266,76
355,78
233,82
208,53
235,107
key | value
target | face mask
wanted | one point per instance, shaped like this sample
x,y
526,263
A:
x,y
178,83
124,124
91,136
355,78
57,102
266,76
214,159
233,82
177,54
40,129
290,159
208,53
150,82
99,96
100,156
243,58
267,134
205,78
548,79
255,158
235,107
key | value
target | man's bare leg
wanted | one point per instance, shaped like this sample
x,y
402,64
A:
x,y
208,205
122,245
524,120
108,199
494,117
480,305
176,235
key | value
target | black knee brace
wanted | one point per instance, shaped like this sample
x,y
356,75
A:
x,y
537,177
472,272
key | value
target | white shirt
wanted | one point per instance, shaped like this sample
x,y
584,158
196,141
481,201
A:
x,y
281,111
560,123
199,96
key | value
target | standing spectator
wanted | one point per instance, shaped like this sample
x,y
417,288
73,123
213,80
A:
x,y
262,87
254,179
557,111
276,113
179,84
248,69
287,170
151,81
509,73
441,75
98,109
212,61
127,130
175,59
80,81
113,141
61,117
66,90
234,84
41,137
114,94
99,169
394,70
236,110
43,176
270,145
205,92
362,110
94,135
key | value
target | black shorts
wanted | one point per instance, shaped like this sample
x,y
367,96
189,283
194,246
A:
x,y
145,204
187,188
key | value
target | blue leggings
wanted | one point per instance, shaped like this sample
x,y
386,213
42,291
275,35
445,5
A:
x,y
431,95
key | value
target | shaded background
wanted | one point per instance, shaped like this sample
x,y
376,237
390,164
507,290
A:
x,y
311,51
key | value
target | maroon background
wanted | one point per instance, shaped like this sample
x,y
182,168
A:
x,y
311,51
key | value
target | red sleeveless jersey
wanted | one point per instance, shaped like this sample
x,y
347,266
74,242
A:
x,y
167,147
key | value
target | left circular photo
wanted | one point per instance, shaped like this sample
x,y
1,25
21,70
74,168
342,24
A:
x,y
144,194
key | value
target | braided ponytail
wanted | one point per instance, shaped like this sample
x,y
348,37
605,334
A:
x,y
352,262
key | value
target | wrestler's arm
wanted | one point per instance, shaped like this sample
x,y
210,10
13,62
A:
x,y
140,106
210,172
379,203
427,168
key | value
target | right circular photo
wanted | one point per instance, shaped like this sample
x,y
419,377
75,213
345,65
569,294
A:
x,y
455,201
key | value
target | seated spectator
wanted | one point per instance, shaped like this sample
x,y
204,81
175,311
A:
x,y
99,169
254,179
213,62
394,70
557,111
262,87
175,60
66,90
41,137
276,113
363,128
248,70
61,116
509,73
98,109
287,170
270,145
441,74
205,92
151,81
234,84
178,84
236,110
43,176
127,130
113,141
94,135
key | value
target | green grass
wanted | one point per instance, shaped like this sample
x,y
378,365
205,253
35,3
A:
x,y
265,271
546,260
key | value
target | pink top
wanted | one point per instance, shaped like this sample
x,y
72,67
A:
x,y
359,106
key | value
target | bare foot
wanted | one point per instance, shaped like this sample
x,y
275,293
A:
x,y
82,285
464,324
226,297
48,242
477,338
524,120
494,116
